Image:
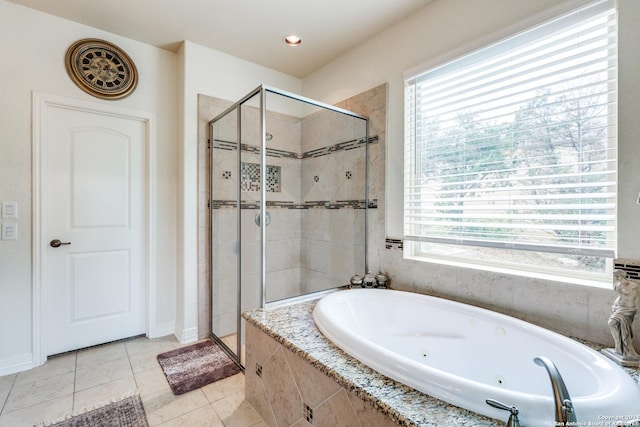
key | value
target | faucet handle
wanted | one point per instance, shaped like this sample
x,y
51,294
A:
x,y
513,418
567,408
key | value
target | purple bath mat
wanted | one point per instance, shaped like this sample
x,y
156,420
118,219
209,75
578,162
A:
x,y
195,366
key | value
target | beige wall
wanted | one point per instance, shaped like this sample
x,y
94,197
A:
x,y
32,51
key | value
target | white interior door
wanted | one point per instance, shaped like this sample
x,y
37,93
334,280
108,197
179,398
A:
x,y
93,202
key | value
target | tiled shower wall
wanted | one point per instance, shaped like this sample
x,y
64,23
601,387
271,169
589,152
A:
x,y
316,236
333,186
373,104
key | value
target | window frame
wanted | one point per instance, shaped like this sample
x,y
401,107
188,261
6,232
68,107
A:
x,y
412,245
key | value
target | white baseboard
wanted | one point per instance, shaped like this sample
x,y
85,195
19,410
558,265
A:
x,y
187,335
15,364
162,330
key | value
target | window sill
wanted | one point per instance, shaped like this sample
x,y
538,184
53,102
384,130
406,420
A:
x,y
532,274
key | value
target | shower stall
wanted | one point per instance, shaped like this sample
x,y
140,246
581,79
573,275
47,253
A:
x,y
288,204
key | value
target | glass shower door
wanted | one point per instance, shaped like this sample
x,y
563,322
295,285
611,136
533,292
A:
x,y
235,227
224,214
288,205
250,198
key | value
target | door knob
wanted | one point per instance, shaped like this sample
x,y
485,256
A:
x,y
55,243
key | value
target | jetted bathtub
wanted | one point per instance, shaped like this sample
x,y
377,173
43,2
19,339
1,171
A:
x,y
464,355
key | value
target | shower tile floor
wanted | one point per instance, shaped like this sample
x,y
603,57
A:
x,y
94,376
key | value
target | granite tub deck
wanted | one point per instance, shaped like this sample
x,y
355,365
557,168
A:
x,y
289,338
292,328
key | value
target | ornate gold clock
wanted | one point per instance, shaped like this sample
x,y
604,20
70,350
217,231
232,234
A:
x,y
101,69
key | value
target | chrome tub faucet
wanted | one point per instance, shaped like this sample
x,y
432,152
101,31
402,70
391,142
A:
x,y
564,410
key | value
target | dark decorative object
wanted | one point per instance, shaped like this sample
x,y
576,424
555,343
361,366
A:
x,y
369,280
382,280
356,281
101,69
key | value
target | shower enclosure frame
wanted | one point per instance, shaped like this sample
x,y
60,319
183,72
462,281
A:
x,y
262,92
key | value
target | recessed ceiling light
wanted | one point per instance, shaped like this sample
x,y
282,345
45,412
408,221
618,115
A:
x,y
292,40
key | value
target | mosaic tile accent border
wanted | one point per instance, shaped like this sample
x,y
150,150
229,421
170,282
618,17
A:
x,y
342,146
271,152
319,204
631,267
395,244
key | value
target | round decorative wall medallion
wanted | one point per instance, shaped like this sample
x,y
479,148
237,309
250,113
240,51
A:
x,y
101,69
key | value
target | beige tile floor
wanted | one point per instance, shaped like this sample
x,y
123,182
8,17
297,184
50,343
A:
x,y
94,376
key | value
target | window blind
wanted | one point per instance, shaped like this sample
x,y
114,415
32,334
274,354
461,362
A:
x,y
514,145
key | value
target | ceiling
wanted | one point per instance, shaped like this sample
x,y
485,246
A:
x,y
249,29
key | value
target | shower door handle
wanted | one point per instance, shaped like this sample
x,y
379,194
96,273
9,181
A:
x,y
267,219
